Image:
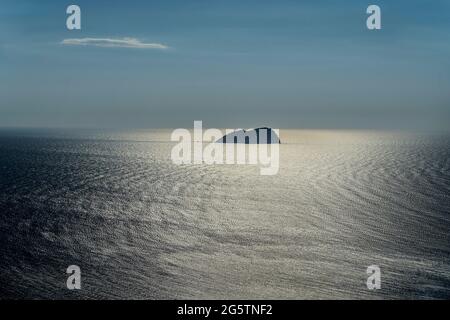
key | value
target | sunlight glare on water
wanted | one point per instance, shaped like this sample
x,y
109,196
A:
x,y
141,227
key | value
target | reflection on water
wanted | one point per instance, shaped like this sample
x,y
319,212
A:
x,y
141,227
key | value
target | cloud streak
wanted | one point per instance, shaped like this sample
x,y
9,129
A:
x,y
114,43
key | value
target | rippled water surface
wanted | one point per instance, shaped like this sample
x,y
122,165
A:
x,y
142,227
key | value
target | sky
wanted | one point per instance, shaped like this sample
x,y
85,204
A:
x,y
231,64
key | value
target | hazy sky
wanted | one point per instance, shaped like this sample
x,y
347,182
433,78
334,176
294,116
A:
x,y
298,64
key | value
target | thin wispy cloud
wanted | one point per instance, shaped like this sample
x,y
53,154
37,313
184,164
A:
x,y
114,43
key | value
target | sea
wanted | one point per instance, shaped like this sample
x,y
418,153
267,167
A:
x,y
141,227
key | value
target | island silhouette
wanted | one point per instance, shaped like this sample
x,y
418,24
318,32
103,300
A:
x,y
262,135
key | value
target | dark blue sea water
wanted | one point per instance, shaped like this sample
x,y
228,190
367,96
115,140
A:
x,y
141,227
